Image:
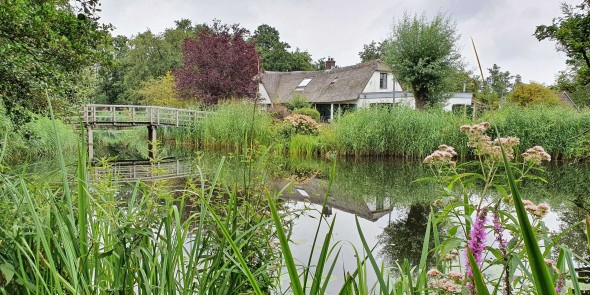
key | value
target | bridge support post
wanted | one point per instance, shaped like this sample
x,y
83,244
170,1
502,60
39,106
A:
x,y
90,142
152,138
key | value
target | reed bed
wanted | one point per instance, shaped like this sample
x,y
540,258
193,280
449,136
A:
x,y
558,129
231,123
408,133
397,131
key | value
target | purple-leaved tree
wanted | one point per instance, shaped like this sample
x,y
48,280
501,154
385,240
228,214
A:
x,y
218,64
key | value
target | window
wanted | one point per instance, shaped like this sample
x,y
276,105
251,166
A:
x,y
303,84
383,81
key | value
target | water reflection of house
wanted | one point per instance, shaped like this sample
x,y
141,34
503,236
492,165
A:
x,y
338,89
368,207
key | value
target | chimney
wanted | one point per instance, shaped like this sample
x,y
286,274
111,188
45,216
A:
x,y
330,63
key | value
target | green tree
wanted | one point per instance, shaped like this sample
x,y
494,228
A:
x,y
145,57
45,47
571,31
320,64
373,51
275,55
111,87
464,80
160,92
423,55
573,83
499,82
533,93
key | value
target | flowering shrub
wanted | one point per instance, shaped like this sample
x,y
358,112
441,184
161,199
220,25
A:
x,y
492,233
301,124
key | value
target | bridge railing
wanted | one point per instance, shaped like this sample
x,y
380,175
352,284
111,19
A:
x,y
101,114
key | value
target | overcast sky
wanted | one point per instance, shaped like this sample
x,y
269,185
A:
x,y
502,29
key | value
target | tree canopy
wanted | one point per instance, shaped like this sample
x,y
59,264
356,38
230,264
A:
x,y
373,51
218,64
572,34
422,54
533,93
47,47
571,31
275,55
144,57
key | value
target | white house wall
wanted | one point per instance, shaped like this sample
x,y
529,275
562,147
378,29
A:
x,y
366,102
264,97
458,99
374,83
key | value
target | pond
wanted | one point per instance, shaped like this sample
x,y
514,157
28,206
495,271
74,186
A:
x,y
392,208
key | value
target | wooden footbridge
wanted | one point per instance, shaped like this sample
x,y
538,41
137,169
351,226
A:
x,y
117,116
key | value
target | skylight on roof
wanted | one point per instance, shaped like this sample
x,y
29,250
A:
x,y
304,83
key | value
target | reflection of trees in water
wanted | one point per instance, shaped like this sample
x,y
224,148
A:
x,y
403,238
576,237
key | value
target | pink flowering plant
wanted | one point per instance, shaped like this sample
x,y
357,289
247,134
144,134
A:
x,y
300,124
484,215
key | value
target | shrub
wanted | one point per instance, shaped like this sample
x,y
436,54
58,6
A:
x,y
311,112
302,124
529,94
298,102
278,111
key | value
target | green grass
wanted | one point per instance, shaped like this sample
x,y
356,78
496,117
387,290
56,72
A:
x,y
559,130
229,124
397,131
404,132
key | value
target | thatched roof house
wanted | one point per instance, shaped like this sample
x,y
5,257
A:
x,y
360,85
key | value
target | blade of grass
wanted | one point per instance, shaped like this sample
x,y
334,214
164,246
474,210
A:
x,y
317,279
572,270
284,243
242,263
383,285
480,285
317,231
422,268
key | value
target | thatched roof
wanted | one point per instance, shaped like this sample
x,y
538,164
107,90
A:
x,y
335,85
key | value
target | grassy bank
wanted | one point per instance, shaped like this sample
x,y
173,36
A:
x,y
405,132
397,131
378,131
394,131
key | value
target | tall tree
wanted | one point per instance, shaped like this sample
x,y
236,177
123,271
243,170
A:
x,y
373,51
144,57
499,82
218,64
571,31
275,55
45,46
423,55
